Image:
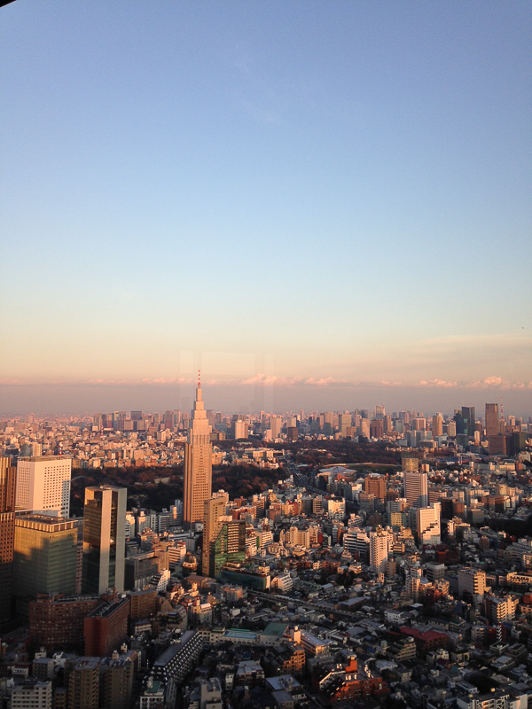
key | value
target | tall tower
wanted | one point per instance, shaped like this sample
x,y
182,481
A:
x,y
104,538
492,419
197,485
43,485
7,534
213,518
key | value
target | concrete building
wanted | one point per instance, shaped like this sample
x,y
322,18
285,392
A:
x,y
104,541
46,556
57,623
492,420
471,581
32,694
43,485
83,683
7,535
428,524
197,486
416,488
380,545
375,484
214,510
105,627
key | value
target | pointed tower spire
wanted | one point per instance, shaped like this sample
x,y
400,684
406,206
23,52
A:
x,y
198,462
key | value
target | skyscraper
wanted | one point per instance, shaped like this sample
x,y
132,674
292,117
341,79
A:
x,y
416,488
43,485
7,534
492,420
46,556
213,517
104,542
468,414
437,425
197,485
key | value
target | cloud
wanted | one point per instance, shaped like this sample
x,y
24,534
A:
x,y
438,383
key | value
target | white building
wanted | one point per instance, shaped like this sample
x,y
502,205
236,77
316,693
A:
x,y
380,545
428,524
32,694
43,485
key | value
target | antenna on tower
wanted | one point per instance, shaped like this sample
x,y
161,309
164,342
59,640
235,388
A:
x,y
199,378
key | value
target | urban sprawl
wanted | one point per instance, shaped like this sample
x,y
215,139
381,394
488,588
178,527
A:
x,y
366,559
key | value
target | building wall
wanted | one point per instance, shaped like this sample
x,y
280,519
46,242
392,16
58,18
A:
x,y
43,484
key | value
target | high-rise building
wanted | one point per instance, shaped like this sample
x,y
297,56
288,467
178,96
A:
x,y
437,425
416,488
198,464
43,485
241,429
104,515
7,534
492,420
83,683
468,414
229,546
46,556
380,545
214,512
428,524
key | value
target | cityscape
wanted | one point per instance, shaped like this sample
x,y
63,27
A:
x,y
266,355
359,558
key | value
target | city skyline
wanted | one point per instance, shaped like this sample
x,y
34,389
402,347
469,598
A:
x,y
88,399
320,207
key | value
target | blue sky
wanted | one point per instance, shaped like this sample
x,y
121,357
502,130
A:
x,y
306,195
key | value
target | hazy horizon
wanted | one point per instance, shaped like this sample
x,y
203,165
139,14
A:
x,y
81,399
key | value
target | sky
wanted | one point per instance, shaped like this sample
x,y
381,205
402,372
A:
x,y
318,204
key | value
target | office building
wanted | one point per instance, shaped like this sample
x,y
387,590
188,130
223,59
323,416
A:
x,y
7,535
213,514
437,425
47,555
197,485
492,420
375,484
416,488
104,515
43,485
228,547
468,415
